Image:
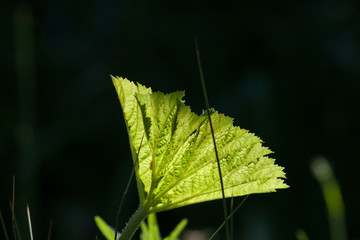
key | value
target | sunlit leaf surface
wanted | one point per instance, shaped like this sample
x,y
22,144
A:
x,y
176,165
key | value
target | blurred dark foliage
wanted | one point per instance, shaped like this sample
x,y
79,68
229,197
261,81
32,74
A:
x,y
286,70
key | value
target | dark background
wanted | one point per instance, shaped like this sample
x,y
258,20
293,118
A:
x,y
286,70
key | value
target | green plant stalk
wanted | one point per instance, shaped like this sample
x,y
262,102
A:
x,y
3,226
134,223
29,220
228,218
332,196
213,137
14,223
335,206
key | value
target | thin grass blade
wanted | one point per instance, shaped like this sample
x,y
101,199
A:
x,y
29,221
213,136
14,223
126,191
50,230
3,226
230,216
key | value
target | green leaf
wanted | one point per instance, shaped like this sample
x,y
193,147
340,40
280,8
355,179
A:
x,y
178,229
105,229
133,119
150,232
177,164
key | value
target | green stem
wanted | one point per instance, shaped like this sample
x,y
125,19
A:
x,y
213,137
134,223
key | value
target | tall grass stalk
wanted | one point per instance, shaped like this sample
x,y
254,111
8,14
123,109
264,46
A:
x,y
230,216
3,226
332,196
207,105
29,221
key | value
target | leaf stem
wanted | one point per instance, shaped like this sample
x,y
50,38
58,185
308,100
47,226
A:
x,y
126,190
134,223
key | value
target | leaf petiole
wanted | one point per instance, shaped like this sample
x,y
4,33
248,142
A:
x,y
134,223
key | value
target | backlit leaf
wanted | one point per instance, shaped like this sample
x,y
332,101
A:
x,y
176,165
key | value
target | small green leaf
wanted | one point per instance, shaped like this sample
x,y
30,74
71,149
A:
x,y
177,164
105,229
152,230
178,229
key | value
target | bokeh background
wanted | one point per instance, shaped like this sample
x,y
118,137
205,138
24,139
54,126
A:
x,y
286,70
